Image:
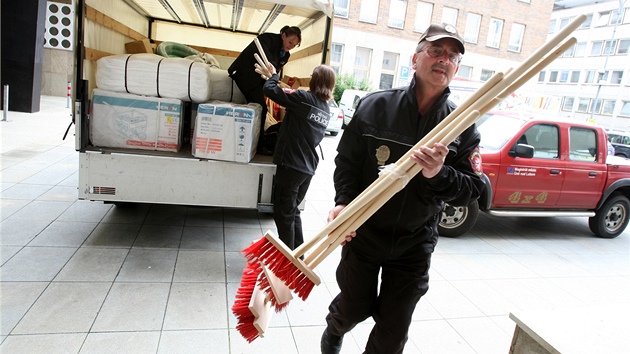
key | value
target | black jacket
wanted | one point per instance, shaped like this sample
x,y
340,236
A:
x,y
242,69
389,120
302,129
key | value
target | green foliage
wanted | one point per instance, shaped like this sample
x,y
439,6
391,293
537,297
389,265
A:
x,y
348,82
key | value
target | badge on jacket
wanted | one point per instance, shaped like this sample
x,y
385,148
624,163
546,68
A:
x,y
382,155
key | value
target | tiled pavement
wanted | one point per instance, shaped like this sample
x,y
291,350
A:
x,y
87,277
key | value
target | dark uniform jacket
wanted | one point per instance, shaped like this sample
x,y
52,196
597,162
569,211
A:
x,y
242,69
302,129
388,122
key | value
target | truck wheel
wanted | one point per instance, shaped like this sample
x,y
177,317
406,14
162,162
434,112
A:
x,y
457,220
612,218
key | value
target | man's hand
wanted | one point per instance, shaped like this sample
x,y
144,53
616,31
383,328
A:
x,y
430,159
332,215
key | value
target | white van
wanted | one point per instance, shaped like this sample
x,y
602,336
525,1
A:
x,y
348,103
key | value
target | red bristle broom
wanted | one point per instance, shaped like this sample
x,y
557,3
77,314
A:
x,y
298,275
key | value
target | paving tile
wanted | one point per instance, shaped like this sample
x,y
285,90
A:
x,y
277,340
195,306
194,342
482,334
26,191
134,213
113,235
240,218
200,266
8,207
41,210
20,232
64,308
159,236
133,307
148,265
204,216
16,299
202,238
60,193
438,336
36,264
85,211
237,238
93,264
64,233
166,215
121,342
7,252
43,343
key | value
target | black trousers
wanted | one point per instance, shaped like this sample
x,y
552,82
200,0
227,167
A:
x,y
289,190
256,95
404,265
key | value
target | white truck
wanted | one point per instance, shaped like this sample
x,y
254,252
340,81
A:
x,y
219,28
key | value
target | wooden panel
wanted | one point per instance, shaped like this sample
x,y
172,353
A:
x,y
94,15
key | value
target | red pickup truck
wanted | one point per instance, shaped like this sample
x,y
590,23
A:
x,y
546,167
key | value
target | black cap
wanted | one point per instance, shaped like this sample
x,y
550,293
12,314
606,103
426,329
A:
x,y
442,30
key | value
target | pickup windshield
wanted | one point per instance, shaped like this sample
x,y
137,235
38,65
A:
x,y
497,129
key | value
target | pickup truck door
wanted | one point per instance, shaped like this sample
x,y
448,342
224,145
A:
x,y
585,172
531,182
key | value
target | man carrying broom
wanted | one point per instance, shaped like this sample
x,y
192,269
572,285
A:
x,y
400,237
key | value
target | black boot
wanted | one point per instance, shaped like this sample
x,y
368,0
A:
x,y
331,344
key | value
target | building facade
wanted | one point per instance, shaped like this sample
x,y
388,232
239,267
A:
x,y
376,39
592,79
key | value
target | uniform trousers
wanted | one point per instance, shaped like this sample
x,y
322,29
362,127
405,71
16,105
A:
x,y
404,267
290,188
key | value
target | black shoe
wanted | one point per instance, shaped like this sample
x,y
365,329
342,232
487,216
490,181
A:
x,y
331,344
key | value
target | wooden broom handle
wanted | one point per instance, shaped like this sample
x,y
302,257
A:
x,y
359,202
357,219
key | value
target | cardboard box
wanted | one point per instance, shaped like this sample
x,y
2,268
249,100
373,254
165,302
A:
x,y
123,120
142,46
226,131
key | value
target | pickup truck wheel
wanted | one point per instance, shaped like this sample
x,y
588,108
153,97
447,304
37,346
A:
x,y
456,220
612,218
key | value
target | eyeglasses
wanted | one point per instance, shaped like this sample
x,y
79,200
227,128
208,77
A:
x,y
436,52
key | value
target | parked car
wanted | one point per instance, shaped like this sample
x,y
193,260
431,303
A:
x,y
348,102
611,149
621,142
336,118
546,167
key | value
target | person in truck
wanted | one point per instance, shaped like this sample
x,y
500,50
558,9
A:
x,y
398,240
276,47
303,128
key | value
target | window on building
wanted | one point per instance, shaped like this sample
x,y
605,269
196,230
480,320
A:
x,y
397,11
625,109
609,47
583,104
616,76
341,8
596,48
602,19
424,11
516,37
473,23
587,22
567,104
608,107
389,67
564,22
494,33
336,53
589,76
527,1
616,17
369,11
552,26
465,71
575,77
362,63
595,107
626,15
564,76
486,74
580,49
624,45
541,76
449,15
569,53
553,76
